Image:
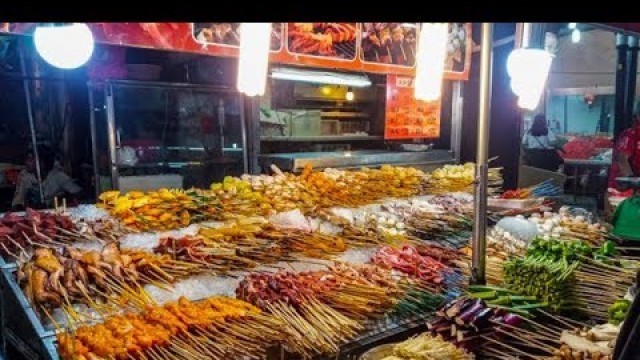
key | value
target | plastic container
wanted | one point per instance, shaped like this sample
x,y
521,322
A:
x,y
305,123
330,127
496,203
522,229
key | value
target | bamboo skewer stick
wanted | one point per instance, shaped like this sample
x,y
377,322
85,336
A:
x,y
518,351
528,341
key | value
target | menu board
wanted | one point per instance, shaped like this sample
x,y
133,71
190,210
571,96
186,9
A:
x,y
228,34
389,43
382,48
334,40
457,41
406,117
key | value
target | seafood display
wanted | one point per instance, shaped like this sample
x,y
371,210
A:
x,y
321,308
566,226
316,260
409,261
163,209
459,178
53,279
222,327
323,39
389,43
331,187
21,232
239,247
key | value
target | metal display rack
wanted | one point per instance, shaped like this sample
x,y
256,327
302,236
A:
x,y
21,327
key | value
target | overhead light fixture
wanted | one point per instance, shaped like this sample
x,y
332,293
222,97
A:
x,y
349,95
528,69
430,58
575,36
320,77
255,39
66,45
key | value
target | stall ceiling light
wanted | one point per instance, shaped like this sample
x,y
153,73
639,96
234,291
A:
x,y
528,69
320,77
65,46
430,58
254,58
575,36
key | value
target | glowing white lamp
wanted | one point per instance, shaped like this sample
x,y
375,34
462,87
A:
x,y
349,94
575,36
430,58
528,69
65,46
255,39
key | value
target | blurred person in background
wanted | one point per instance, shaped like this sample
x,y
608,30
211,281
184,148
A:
x,y
539,136
626,153
27,191
540,146
56,184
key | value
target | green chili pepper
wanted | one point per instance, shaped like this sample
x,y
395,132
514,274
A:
x,y
609,248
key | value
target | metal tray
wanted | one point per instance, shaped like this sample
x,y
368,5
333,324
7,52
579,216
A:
x,y
378,352
353,159
22,328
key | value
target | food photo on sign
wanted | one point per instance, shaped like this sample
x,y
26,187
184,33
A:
x,y
456,47
389,43
406,117
336,40
228,34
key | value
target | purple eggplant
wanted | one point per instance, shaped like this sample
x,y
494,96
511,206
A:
x,y
481,318
512,319
467,315
458,308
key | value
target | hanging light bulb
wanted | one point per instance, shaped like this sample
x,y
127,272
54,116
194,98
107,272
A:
x,y
575,36
65,46
349,95
528,69
255,39
430,58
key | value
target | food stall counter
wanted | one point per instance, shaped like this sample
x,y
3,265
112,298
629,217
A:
x,y
295,162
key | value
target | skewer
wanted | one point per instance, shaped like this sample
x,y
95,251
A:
x,y
529,342
16,244
496,353
565,321
518,351
8,252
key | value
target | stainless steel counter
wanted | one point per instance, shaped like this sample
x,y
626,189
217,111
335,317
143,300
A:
x,y
354,159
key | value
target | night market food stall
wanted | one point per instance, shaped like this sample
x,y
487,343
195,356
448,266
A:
x,y
312,259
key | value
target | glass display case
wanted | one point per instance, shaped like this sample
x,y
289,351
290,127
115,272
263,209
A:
x,y
153,135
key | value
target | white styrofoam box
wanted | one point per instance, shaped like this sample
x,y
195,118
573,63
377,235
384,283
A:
x,y
513,203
